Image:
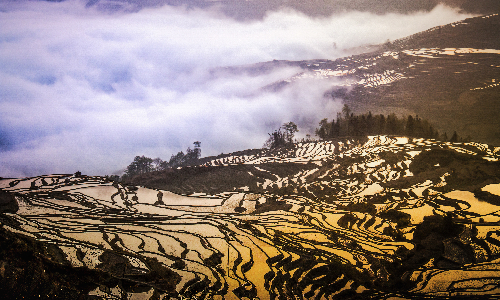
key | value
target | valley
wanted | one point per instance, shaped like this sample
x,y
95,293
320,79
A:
x,y
344,216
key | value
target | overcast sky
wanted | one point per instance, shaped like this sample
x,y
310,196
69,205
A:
x,y
89,85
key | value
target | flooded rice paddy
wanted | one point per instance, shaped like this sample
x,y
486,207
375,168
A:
x,y
379,218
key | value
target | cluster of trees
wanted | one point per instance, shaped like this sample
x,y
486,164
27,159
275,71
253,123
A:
x,y
143,164
184,159
348,124
282,137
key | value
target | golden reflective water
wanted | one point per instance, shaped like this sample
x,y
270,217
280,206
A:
x,y
352,225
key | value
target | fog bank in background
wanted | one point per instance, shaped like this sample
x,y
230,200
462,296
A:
x,y
82,88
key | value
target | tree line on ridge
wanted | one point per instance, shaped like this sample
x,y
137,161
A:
x,y
346,124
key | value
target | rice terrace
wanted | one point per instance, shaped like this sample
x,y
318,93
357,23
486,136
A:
x,y
386,185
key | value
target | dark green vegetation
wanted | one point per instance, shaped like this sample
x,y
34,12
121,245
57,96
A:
x,y
349,124
284,138
219,179
142,164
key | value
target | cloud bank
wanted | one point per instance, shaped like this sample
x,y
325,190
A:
x,y
82,89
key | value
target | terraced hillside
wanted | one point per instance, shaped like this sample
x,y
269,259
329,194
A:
x,y
375,218
448,75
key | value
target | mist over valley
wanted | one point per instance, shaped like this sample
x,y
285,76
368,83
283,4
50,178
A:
x,y
253,149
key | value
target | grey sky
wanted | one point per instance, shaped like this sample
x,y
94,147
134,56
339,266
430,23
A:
x,y
257,9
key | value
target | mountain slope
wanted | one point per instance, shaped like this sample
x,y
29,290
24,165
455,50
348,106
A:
x,y
341,219
449,75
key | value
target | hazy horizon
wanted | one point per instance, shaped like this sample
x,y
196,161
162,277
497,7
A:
x,y
87,86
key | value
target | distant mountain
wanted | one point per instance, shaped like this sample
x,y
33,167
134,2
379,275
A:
x,y
479,33
343,219
449,75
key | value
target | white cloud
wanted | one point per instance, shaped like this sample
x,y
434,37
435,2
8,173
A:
x,y
85,90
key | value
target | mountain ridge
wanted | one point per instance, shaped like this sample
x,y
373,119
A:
x,y
448,75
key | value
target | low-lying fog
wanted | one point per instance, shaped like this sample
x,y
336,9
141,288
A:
x,y
85,88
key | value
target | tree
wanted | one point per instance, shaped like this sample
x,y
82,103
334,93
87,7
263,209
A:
x,y
176,160
393,125
410,126
275,140
433,134
324,129
290,130
335,127
158,164
197,149
346,111
370,124
191,156
140,165
454,137
381,125
283,138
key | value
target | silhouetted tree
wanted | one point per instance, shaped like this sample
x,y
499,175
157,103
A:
x,y
381,124
275,140
176,160
432,133
280,138
197,149
191,156
370,124
392,124
158,164
454,137
362,126
367,124
140,165
410,126
290,130
419,127
324,129
346,111
335,129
